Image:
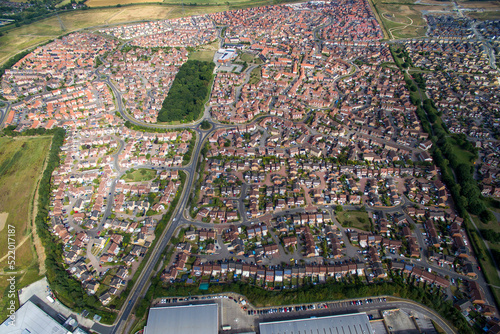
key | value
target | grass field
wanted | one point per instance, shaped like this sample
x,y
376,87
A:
x,y
250,58
202,55
400,18
139,175
355,219
21,162
255,76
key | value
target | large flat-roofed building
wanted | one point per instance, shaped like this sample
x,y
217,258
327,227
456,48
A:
x,y
185,319
356,323
29,318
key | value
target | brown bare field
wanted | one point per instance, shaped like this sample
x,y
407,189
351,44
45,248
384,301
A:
x,y
487,15
491,5
436,2
402,21
431,8
103,3
3,219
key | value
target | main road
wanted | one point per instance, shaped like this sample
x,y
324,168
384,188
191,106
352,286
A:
x,y
143,281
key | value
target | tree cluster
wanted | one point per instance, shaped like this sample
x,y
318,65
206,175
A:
x,y
188,93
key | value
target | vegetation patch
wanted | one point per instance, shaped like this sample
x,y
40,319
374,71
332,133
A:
x,y
21,161
355,219
202,55
139,175
188,93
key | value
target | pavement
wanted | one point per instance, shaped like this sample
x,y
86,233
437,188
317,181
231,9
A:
x,y
37,293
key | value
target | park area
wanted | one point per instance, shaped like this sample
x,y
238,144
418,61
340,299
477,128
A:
x,y
354,219
21,165
139,175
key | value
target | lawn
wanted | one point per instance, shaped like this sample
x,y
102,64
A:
x,y
355,219
139,175
203,55
255,76
250,58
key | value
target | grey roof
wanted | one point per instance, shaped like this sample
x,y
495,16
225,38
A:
x,y
348,323
31,319
185,319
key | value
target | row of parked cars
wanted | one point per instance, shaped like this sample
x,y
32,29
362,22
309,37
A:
x,y
315,306
287,309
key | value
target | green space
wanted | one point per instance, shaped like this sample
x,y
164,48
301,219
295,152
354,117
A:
x,y
401,19
21,163
255,76
186,98
139,175
202,55
250,58
354,219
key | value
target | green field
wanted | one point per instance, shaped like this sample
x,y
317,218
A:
x,y
203,55
21,162
255,76
355,219
139,175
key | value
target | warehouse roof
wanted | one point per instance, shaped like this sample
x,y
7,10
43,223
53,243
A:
x,y
185,319
348,323
31,319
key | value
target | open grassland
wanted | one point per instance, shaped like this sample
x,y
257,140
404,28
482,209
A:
x,y
21,162
401,20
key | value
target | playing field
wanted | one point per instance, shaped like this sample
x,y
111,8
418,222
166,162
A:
x,y
21,162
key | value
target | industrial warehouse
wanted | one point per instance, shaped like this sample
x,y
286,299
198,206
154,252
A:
x,y
348,323
183,319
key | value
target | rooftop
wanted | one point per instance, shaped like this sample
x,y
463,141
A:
x,y
347,323
29,318
179,319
